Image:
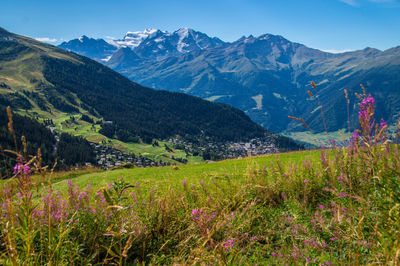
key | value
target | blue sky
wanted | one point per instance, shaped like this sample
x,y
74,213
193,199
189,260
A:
x,y
324,24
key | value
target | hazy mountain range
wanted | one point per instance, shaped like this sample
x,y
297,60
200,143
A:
x,y
266,76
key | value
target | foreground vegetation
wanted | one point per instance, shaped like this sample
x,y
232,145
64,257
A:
x,y
336,206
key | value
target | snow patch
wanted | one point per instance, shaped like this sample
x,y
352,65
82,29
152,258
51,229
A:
x,y
258,99
133,39
106,59
182,33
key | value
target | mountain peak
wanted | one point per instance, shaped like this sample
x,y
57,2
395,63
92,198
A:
x,y
83,38
184,32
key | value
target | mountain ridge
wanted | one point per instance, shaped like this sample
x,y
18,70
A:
x,y
268,77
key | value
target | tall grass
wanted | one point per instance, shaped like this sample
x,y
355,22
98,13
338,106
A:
x,y
341,209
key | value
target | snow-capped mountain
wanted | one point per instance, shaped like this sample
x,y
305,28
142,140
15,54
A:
x,y
132,39
165,44
150,43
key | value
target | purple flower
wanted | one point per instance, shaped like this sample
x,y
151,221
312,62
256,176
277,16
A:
x,y
27,170
321,206
69,183
229,244
383,123
20,168
273,254
343,195
368,101
306,181
195,212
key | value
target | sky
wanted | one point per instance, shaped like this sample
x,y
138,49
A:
x,y
330,25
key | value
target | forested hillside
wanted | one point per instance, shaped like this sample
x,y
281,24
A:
x,y
68,150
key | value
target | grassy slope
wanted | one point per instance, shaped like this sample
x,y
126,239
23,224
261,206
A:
x,y
84,129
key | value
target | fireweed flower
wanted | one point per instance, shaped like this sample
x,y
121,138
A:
x,y
195,212
229,244
21,169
